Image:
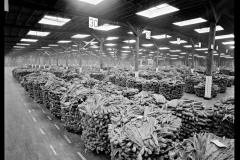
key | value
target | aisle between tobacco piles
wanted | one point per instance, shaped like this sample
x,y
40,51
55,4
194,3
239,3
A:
x,y
31,133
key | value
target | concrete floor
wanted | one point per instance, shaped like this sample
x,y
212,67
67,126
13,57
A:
x,y
32,133
229,92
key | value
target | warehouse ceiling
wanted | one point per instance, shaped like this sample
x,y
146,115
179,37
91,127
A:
x,y
24,16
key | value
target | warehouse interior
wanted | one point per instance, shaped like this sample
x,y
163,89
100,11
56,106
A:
x,y
119,79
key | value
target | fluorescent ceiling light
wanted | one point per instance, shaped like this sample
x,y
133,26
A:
x,y
201,49
228,57
222,54
63,41
53,45
140,53
150,54
190,21
130,32
110,44
106,27
158,11
175,50
161,36
183,53
175,42
205,30
109,49
232,47
147,45
187,46
206,52
94,2
94,46
74,45
74,50
112,38
55,21
80,36
215,54
111,52
92,43
173,58
23,44
37,33
163,48
224,36
181,57
174,55
45,47
29,40
18,47
227,43
125,47
130,41
125,51
41,49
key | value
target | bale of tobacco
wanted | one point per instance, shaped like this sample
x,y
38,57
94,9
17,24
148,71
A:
x,y
223,117
221,81
204,146
143,133
112,78
200,90
171,88
130,92
52,82
121,80
70,116
18,73
190,81
96,113
89,82
98,75
69,75
151,85
230,81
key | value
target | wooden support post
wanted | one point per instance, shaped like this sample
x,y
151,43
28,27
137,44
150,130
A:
x,y
219,60
132,59
193,52
187,59
155,44
80,57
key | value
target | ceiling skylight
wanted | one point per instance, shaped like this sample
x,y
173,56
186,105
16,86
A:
x,y
80,36
29,40
111,38
92,43
110,44
173,58
18,47
106,27
175,50
190,46
45,47
190,21
125,47
161,36
224,36
174,55
53,45
64,41
130,41
55,21
175,42
125,51
147,45
94,2
94,46
163,48
227,43
37,33
23,44
201,49
207,29
158,11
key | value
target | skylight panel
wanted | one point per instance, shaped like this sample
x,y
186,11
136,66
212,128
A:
x,y
125,51
158,11
106,27
147,45
80,36
94,2
23,44
175,58
29,40
53,45
174,55
224,36
228,57
45,47
94,46
163,48
55,21
207,29
110,44
18,47
201,49
187,46
64,41
112,38
38,33
190,21
161,36
125,47
227,43
175,42
74,45
130,41
175,50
